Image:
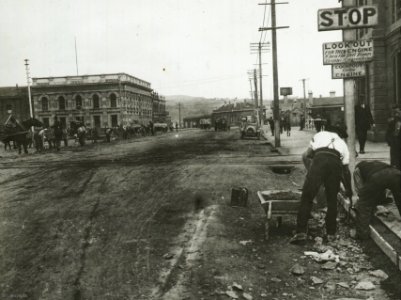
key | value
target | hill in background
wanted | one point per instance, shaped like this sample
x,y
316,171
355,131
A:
x,y
194,106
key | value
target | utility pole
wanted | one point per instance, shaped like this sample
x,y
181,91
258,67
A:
x,y
28,80
29,87
256,92
305,106
260,47
349,98
76,55
276,105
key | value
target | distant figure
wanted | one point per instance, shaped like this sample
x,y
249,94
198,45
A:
x,y
302,123
176,126
318,123
108,134
393,137
287,124
58,133
363,122
271,124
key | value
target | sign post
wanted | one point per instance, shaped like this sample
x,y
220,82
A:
x,y
346,56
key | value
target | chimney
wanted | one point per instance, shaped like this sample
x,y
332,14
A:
x,y
332,94
310,94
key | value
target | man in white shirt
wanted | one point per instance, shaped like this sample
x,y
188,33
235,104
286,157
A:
x,y
329,166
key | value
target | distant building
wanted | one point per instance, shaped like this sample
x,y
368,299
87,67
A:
x,y
234,113
160,114
14,100
96,100
329,108
195,121
381,88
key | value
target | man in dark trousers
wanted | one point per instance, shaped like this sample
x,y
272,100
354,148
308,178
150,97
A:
x,y
393,137
58,133
372,178
329,166
363,122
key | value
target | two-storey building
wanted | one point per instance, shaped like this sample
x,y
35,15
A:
x,y
96,100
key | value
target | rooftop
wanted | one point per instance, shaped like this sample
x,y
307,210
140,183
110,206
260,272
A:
x,y
13,91
89,79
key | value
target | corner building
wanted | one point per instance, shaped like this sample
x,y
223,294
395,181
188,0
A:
x,y
97,100
381,88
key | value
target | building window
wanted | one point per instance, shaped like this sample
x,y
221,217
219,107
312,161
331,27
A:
x,y
45,104
113,100
61,103
114,121
95,99
96,121
46,122
78,102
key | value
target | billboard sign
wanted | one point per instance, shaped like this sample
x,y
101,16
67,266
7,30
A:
x,y
347,52
286,91
347,17
353,70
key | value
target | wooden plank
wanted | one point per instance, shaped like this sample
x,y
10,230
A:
x,y
395,225
387,249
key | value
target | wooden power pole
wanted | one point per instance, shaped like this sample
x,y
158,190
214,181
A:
x,y
276,105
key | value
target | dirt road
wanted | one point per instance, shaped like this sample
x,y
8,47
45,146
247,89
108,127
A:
x,y
150,219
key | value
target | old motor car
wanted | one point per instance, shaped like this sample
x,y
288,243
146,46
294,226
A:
x,y
250,130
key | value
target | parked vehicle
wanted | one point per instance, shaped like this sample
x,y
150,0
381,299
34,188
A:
x,y
249,129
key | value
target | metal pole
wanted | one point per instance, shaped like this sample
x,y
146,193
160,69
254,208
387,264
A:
x,y
349,100
260,86
276,108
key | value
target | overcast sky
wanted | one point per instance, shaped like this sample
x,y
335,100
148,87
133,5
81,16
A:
x,y
185,47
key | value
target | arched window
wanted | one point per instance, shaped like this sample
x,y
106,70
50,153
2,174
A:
x,y
45,104
78,102
95,99
61,103
113,100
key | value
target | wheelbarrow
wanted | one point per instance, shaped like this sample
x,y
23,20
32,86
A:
x,y
278,204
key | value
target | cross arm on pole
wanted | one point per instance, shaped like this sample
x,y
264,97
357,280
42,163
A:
x,y
274,3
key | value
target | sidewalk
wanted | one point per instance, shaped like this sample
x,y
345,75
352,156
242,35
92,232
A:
x,y
297,143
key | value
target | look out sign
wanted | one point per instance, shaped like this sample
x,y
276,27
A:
x,y
347,17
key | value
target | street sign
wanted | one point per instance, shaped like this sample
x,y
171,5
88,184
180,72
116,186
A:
x,y
347,17
353,70
286,91
347,52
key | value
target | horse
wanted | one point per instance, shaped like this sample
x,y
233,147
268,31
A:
x,y
20,136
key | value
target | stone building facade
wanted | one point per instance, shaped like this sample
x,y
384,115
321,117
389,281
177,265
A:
x,y
381,88
96,100
14,100
160,114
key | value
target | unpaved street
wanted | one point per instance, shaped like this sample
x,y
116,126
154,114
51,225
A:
x,y
150,218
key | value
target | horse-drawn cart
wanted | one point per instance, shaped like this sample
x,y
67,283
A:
x,y
278,204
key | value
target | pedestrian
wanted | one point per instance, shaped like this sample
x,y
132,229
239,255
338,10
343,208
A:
x,y
152,129
65,137
81,135
329,166
282,123
58,133
108,134
393,137
271,124
318,123
176,126
363,122
372,178
287,124
302,123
